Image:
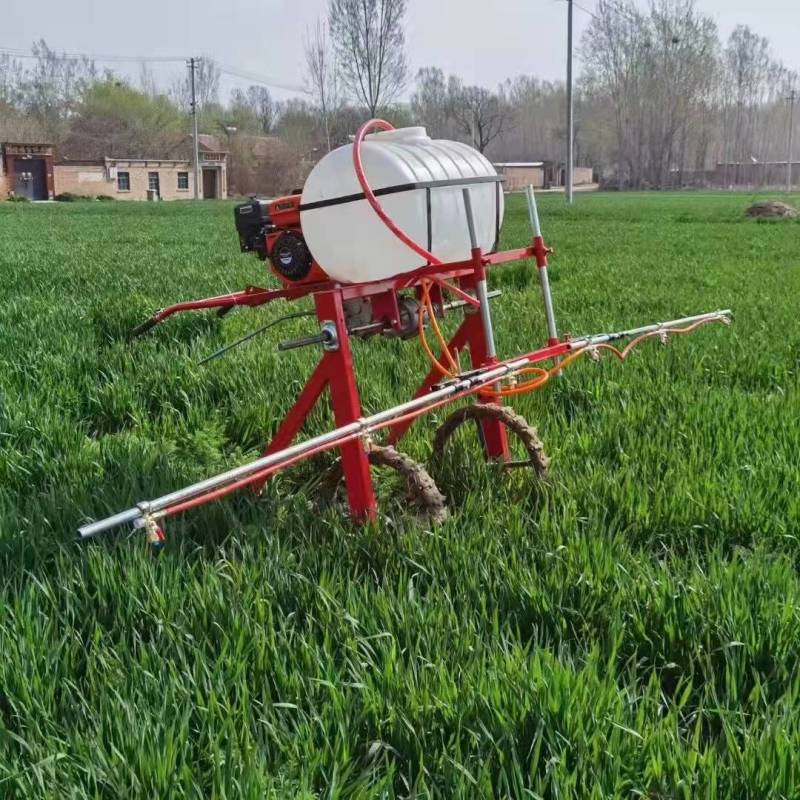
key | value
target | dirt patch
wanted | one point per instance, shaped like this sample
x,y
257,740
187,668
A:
x,y
772,209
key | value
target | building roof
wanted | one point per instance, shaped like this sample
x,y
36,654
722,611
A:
x,y
210,143
111,160
40,145
751,163
518,164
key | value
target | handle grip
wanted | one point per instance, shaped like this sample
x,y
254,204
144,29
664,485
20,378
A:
x,y
140,330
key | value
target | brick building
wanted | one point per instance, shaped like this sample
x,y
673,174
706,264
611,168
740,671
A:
x,y
27,170
31,171
127,178
539,174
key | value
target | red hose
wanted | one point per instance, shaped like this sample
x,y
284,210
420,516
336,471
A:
x,y
383,125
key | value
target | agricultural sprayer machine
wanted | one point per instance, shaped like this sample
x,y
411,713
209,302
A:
x,y
387,237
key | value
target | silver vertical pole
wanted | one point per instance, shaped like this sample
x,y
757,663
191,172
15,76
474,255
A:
x,y
544,280
195,144
792,97
570,119
480,286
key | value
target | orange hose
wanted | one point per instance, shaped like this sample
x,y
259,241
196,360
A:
x,y
546,374
426,305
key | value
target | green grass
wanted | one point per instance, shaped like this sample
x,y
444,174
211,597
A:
x,y
631,628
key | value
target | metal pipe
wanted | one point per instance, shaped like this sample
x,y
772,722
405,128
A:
x,y
569,179
193,65
323,337
544,280
338,435
601,338
792,97
486,318
252,334
544,277
473,239
461,303
481,290
381,327
533,211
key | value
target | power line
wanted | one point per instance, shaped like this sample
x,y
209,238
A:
x,y
263,80
17,53
586,10
253,77
618,9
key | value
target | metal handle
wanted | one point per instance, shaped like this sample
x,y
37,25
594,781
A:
x,y
139,330
480,285
326,337
470,219
303,341
533,211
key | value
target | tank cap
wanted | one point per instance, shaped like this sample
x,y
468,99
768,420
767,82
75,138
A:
x,y
414,133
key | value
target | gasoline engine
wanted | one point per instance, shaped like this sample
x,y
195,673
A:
x,y
271,229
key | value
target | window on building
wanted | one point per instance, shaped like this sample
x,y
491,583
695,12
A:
x,y
152,182
183,181
123,181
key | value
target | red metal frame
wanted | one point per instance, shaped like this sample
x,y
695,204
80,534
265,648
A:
x,y
335,370
257,296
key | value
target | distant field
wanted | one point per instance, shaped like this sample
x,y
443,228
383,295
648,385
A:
x,y
630,628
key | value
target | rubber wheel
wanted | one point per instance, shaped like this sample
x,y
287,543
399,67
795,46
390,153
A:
x,y
422,489
506,416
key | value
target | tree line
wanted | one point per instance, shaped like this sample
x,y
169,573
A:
x,y
660,98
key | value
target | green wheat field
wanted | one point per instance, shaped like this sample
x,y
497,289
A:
x,y
628,628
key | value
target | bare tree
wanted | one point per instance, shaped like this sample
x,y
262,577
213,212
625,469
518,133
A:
x,y
540,126
430,102
147,81
480,114
748,64
369,40
322,73
11,79
206,85
51,89
260,101
614,50
658,71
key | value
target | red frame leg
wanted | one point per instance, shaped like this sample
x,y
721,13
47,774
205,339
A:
x,y
336,372
468,336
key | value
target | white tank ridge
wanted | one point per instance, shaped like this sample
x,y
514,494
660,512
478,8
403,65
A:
x,y
419,183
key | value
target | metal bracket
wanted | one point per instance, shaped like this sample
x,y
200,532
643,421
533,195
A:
x,y
330,341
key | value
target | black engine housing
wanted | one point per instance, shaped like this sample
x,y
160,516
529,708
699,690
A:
x,y
290,256
252,224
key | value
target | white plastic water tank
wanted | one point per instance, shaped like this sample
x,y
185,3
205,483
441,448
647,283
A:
x,y
419,182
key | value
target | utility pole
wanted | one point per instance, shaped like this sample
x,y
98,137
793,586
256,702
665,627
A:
x,y
792,97
570,121
192,63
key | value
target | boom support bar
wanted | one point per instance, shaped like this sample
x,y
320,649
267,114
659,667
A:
x,y
602,338
337,436
459,388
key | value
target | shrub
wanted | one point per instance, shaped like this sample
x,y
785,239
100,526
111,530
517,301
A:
x,y
69,197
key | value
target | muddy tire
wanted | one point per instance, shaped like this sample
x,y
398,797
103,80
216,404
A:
x,y
422,489
506,416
